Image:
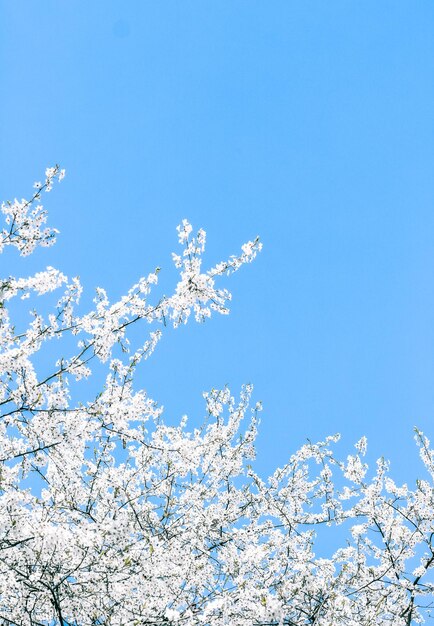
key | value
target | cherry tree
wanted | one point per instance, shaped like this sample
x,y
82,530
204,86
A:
x,y
109,516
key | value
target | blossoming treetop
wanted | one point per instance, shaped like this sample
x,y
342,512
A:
x,y
109,516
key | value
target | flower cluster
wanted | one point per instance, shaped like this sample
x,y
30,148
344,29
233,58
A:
x,y
25,219
108,516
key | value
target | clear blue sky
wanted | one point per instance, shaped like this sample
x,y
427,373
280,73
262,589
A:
x,y
308,123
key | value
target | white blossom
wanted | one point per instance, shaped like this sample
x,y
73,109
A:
x,y
110,516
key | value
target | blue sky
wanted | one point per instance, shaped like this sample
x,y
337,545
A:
x,y
308,123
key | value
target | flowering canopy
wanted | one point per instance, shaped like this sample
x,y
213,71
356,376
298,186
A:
x,y
109,516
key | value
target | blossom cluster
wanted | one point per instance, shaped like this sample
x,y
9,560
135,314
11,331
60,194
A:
x,y
109,516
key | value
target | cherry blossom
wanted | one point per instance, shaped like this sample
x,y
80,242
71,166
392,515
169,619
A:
x,y
109,516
